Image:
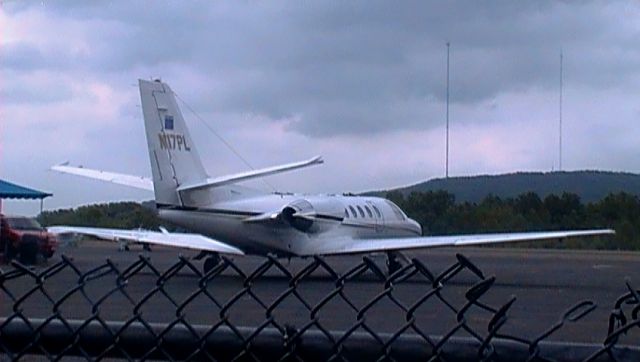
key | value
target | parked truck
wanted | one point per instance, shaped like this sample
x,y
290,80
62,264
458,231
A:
x,y
23,238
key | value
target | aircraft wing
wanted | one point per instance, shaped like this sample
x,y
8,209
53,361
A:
x,y
387,244
243,176
180,240
147,184
117,178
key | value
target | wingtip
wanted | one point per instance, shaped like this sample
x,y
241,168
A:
x,y
318,159
61,164
605,231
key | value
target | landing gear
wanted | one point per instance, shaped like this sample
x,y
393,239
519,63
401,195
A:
x,y
210,262
123,245
393,261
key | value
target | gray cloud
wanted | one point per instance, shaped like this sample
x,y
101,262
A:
x,y
32,93
361,83
21,57
342,68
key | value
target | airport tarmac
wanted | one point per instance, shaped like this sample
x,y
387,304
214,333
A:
x,y
545,282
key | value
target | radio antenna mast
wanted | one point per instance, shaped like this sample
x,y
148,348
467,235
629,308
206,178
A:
x,y
446,172
560,119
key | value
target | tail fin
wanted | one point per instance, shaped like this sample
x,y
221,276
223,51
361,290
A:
x,y
174,158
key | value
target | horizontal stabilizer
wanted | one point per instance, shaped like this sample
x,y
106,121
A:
x,y
349,246
116,178
180,240
243,176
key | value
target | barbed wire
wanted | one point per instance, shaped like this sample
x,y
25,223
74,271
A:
x,y
136,312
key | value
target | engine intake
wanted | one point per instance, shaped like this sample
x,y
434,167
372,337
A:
x,y
291,216
309,215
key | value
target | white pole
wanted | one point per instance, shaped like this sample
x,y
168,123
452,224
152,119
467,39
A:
x,y
560,120
446,172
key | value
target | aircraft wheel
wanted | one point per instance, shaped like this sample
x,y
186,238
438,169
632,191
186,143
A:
x,y
211,262
29,249
393,264
10,251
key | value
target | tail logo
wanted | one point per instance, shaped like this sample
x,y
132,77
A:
x,y
168,122
173,142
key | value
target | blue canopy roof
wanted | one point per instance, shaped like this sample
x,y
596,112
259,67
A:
x,y
13,191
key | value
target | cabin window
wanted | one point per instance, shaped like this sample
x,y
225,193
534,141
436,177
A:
x,y
377,211
353,211
368,211
360,210
346,214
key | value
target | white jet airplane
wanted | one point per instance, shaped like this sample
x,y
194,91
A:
x,y
232,219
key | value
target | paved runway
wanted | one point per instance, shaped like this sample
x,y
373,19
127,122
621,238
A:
x,y
545,282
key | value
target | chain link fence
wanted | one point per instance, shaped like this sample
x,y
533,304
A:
x,y
140,312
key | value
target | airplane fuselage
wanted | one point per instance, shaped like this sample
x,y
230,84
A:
x,y
332,219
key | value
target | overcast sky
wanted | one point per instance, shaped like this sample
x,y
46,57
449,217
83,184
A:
x,y
360,83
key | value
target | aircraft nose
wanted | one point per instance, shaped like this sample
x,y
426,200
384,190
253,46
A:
x,y
417,228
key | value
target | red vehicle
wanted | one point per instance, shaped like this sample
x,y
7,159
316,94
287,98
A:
x,y
23,238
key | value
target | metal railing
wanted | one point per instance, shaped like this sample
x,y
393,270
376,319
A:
x,y
179,313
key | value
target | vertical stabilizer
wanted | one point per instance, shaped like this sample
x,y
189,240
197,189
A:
x,y
174,158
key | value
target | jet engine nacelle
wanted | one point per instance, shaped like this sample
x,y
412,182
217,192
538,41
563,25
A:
x,y
312,216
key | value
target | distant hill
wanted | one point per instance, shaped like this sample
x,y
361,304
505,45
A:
x,y
589,185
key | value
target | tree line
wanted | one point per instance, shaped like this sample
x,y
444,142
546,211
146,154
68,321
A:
x,y
440,214
121,215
